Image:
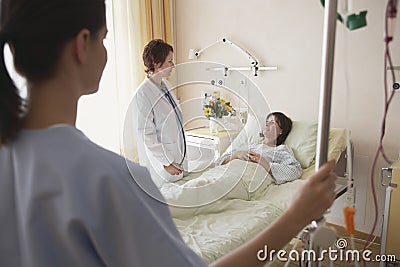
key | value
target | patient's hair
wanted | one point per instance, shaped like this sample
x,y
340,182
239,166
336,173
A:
x,y
155,52
285,123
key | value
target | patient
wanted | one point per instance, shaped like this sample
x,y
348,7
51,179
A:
x,y
276,158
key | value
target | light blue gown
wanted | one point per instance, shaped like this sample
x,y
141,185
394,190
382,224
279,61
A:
x,y
64,201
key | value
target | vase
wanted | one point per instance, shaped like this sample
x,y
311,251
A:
x,y
216,125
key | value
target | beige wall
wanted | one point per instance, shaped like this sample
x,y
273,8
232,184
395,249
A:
x,y
288,34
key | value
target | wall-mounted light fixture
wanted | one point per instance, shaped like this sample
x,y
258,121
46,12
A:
x,y
194,54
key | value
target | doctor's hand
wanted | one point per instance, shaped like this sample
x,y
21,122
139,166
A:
x,y
171,169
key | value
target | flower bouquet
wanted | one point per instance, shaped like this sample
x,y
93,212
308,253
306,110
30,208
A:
x,y
217,108
214,110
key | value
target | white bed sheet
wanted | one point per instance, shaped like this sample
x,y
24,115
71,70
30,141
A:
x,y
235,221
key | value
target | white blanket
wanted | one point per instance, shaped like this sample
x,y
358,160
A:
x,y
236,180
220,209
215,230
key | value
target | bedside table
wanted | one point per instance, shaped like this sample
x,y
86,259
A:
x,y
204,147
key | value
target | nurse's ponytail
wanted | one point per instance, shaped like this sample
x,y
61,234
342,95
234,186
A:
x,y
10,101
37,31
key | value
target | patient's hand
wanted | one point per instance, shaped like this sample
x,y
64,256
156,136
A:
x,y
245,156
242,155
256,158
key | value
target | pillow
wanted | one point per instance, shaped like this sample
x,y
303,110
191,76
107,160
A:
x,y
250,134
303,140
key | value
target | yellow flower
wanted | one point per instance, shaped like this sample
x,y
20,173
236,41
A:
x,y
207,111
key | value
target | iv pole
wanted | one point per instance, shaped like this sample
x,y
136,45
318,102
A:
x,y
328,51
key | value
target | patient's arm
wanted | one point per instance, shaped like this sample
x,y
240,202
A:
x,y
249,156
255,157
317,194
283,166
242,155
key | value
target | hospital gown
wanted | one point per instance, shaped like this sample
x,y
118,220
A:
x,y
64,201
284,166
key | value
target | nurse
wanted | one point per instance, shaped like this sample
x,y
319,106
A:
x,y
65,201
158,118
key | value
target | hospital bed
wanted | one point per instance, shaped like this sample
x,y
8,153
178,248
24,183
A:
x,y
220,208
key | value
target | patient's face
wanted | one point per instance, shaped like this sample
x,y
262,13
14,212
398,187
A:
x,y
271,130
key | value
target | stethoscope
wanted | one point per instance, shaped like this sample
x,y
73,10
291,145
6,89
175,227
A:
x,y
175,108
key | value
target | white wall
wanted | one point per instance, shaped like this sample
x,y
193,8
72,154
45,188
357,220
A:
x,y
98,114
288,34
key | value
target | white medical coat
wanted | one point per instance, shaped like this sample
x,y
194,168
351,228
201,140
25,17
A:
x,y
64,201
159,134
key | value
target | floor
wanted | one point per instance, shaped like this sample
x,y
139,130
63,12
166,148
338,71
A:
x,y
340,255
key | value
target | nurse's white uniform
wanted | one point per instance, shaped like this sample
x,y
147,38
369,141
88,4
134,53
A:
x,y
64,201
159,131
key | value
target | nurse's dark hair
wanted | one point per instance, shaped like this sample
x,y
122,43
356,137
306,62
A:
x,y
285,123
37,31
155,52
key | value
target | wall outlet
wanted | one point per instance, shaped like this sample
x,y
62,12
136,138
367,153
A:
x,y
220,81
217,81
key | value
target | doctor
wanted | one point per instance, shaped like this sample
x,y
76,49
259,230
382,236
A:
x,y
158,118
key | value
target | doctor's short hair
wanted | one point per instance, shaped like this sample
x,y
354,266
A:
x,y
285,123
155,52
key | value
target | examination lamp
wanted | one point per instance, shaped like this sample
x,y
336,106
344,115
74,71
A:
x,y
193,54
